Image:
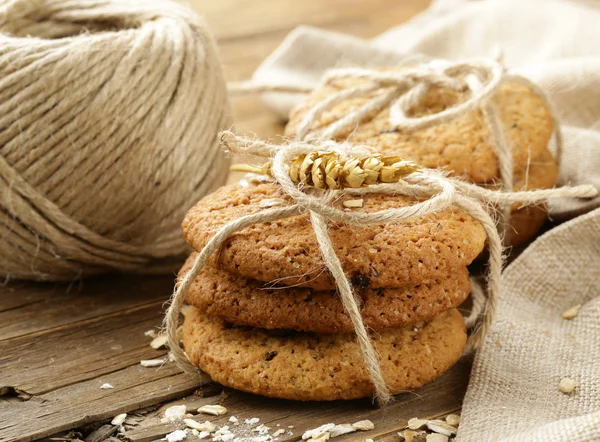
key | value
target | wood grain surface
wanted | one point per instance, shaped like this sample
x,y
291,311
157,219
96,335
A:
x,y
60,342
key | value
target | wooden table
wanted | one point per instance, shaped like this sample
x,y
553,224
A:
x,y
59,343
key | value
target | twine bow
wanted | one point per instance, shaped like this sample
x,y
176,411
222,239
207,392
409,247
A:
x,y
400,90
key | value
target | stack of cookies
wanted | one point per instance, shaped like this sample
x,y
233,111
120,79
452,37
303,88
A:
x,y
463,147
265,316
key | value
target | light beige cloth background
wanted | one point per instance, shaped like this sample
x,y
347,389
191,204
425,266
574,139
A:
x,y
513,392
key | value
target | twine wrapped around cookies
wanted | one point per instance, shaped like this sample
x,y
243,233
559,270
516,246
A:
x,y
400,91
109,114
440,192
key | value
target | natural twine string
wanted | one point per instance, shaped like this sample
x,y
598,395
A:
x,y
441,193
109,112
400,91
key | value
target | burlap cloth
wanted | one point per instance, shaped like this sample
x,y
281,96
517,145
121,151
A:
x,y
513,392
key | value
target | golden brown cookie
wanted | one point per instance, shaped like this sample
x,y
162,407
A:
x,y
308,366
463,147
244,301
286,251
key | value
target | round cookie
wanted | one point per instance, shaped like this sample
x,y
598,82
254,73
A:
x,y
307,366
463,146
243,301
286,251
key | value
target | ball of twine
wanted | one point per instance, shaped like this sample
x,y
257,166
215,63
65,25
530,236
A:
x,y
109,115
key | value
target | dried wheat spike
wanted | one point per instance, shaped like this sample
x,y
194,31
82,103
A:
x,y
327,170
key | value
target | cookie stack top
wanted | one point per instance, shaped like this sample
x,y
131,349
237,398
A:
x,y
463,147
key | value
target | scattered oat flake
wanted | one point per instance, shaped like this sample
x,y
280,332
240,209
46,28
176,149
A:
x,y
317,432
261,429
233,420
174,413
106,387
279,432
369,440
441,427
322,438
409,435
340,429
436,437
453,419
150,333
176,436
290,426
203,434
200,426
215,410
272,202
567,385
223,435
152,362
119,419
159,342
352,204
416,424
252,421
571,312
363,425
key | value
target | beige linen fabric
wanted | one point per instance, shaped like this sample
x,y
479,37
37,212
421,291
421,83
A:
x,y
513,393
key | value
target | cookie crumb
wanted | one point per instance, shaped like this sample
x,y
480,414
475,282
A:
x,y
353,204
106,387
453,419
152,362
567,385
159,342
215,410
175,436
252,421
571,312
223,435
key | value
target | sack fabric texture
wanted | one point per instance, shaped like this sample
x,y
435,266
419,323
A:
x,y
513,392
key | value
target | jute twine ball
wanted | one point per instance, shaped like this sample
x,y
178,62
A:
x,y
109,115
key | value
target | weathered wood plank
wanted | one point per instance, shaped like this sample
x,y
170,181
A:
x,y
30,308
84,402
79,352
